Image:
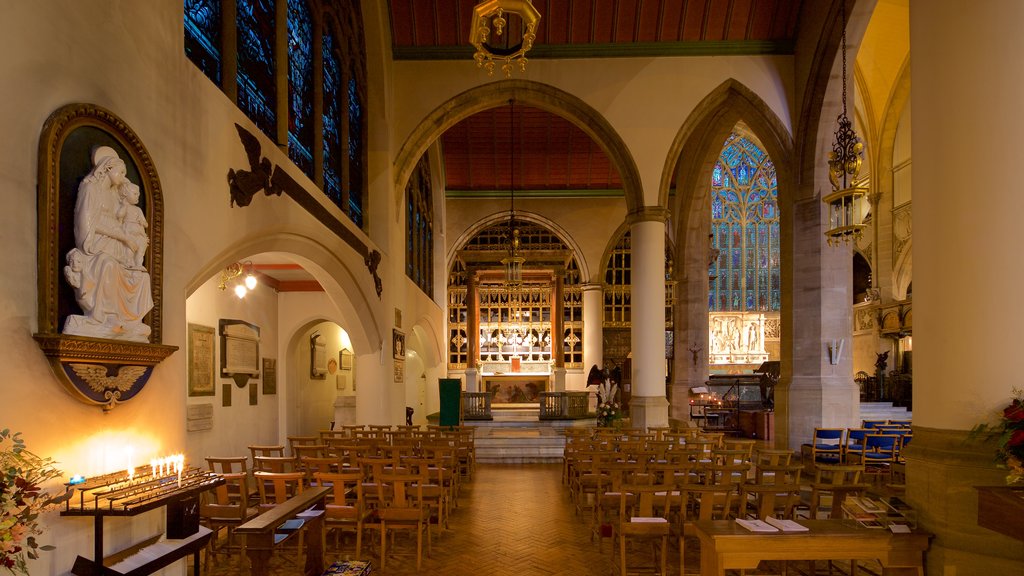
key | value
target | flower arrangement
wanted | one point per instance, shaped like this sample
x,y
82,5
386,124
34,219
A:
x,y
609,414
1010,433
22,500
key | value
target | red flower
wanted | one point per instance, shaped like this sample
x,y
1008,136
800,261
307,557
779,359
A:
x,y
1014,412
1016,440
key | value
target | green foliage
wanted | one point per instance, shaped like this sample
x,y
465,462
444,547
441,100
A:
x,y
22,500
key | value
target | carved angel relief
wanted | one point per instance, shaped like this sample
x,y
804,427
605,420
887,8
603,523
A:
x,y
109,383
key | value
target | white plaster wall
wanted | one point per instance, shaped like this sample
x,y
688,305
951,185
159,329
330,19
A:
x,y
237,426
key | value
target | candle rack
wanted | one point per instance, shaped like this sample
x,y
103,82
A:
x,y
117,494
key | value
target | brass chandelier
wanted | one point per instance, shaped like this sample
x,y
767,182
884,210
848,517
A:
x,y
845,202
493,15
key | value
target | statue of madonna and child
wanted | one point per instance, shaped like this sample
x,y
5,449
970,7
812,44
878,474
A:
x,y
106,267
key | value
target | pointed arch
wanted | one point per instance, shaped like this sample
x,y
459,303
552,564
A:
x,y
538,95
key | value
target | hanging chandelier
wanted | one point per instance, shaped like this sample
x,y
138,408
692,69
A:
x,y
494,15
845,203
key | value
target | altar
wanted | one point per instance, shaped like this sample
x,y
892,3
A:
x,y
516,387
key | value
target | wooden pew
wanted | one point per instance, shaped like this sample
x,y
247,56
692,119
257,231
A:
x,y
259,532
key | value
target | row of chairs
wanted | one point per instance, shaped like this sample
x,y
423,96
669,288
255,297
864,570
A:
x,y
880,448
388,487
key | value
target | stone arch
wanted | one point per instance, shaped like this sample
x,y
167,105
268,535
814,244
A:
x,y
354,298
489,221
530,93
690,162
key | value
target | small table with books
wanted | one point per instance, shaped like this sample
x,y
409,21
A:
x,y
725,545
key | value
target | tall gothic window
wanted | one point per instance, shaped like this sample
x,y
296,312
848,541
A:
x,y
300,85
339,99
257,84
203,36
419,229
618,283
745,229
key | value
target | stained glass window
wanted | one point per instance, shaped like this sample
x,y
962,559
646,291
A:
x,y
355,151
257,89
745,229
260,68
419,227
332,121
203,36
300,85
618,282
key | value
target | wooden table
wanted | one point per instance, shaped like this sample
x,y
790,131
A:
x,y
726,545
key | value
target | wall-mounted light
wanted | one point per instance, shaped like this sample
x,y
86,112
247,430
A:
x,y
236,270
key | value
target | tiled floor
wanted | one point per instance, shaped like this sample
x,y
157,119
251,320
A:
x,y
514,520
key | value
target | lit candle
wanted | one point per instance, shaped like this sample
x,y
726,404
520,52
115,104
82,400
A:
x,y
152,467
131,469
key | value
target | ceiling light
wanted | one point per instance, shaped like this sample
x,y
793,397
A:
x,y
494,14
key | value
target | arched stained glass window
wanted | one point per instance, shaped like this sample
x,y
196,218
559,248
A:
x,y
355,150
257,89
300,85
419,228
203,37
745,229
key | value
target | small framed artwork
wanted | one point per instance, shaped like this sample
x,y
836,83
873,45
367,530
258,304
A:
x,y
399,370
254,394
345,359
269,376
317,357
398,345
225,400
200,360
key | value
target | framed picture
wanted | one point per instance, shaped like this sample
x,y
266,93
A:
x,y
200,360
398,345
345,359
317,357
399,370
269,376
239,351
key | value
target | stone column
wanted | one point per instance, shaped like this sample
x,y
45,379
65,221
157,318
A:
x,y
472,331
557,331
593,326
967,278
648,406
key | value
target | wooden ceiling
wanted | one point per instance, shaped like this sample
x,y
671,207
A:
x,y
553,157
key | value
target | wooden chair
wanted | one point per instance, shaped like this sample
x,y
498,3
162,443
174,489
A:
x,y
294,441
225,507
275,464
774,491
403,509
772,457
311,466
826,447
309,451
637,520
612,476
275,488
855,444
230,465
345,509
879,455
835,481
265,450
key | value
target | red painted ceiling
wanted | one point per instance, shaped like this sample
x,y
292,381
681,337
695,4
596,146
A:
x,y
551,154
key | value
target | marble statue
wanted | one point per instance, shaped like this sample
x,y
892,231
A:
x,y
106,267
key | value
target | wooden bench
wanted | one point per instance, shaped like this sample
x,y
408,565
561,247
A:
x,y
259,532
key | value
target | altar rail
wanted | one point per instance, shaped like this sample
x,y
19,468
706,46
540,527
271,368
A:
x,y
476,406
564,405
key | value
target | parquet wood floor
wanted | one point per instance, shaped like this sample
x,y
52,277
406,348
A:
x,y
512,520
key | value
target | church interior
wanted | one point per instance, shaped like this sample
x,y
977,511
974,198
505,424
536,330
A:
x,y
234,222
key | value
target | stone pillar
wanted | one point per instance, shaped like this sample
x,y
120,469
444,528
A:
x,y
472,331
966,221
648,405
558,331
593,326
